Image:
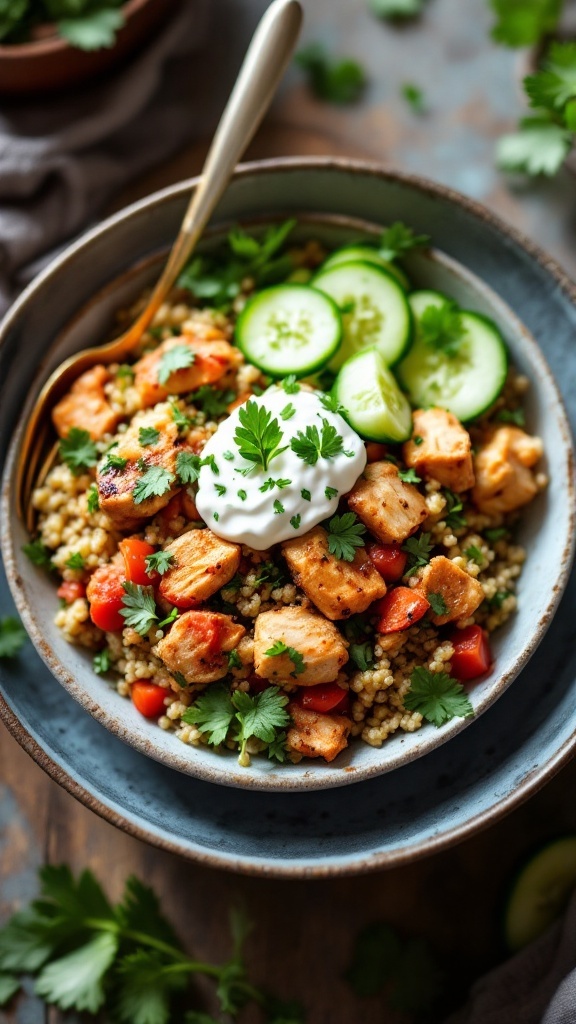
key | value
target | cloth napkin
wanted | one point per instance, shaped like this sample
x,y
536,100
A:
x,y
62,157
537,986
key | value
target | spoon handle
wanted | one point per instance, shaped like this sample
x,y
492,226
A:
x,y
265,62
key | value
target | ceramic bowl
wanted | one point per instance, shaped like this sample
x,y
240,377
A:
x,y
72,304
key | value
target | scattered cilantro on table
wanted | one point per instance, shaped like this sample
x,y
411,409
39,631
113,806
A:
x,y
437,697
396,8
339,81
404,967
345,534
12,636
414,97
85,24
524,22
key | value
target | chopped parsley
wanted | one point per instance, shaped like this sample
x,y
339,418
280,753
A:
x,y
113,462
331,492
12,636
345,534
78,450
278,507
182,421
418,549
306,494
102,662
125,372
92,499
331,403
452,514
218,711
76,561
312,444
179,357
475,554
210,460
242,495
39,554
279,647
495,534
442,328
212,401
259,436
228,455
295,521
399,239
269,484
220,490
497,600
515,416
409,476
216,516
437,604
418,439
414,97
148,436
159,561
188,467
138,607
336,81
288,412
362,655
437,697
234,659
154,482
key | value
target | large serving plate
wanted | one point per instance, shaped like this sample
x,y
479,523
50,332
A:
x,y
500,758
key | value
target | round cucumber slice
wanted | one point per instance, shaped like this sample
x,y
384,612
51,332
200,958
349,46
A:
x,y
289,328
366,253
374,405
374,310
540,892
465,382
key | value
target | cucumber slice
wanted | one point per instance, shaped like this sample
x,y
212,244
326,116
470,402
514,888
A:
x,y
466,383
367,254
374,405
541,892
374,309
289,328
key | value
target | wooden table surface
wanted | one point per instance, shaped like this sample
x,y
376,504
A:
x,y
304,930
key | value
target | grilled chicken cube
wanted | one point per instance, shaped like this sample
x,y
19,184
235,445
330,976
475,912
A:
x,y
461,593
85,406
503,466
202,563
212,357
317,735
116,485
196,646
339,589
445,451
320,645
391,509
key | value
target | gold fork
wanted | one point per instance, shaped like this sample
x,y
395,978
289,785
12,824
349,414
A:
x,y
264,64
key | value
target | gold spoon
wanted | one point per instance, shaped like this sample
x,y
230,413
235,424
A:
x,y
264,64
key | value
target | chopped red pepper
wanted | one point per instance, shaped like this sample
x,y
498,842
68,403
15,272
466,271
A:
x,y
71,590
135,551
472,656
148,698
389,559
323,697
106,596
400,609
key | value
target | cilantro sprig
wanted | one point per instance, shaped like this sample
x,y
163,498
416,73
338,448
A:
x,y
334,80
418,549
345,534
84,24
218,713
159,561
524,22
383,959
139,607
280,647
437,697
154,482
313,444
179,357
78,450
399,239
212,401
12,636
259,436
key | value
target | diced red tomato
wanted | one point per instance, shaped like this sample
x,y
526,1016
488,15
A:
x,y
400,609
106,594
472,656
148,698
135,553
71,590
389,559
323,697
375,451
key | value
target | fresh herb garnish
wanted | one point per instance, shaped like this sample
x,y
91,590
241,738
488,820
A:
x,y
312,444
409,476
278,508
101,662
495,534
334,80
295,521
211,401
331,403
92,499
414,96
306,494
216,516
12,637
362,655
290,384
234,659
220,490
39,554
437,604
188,467
330,492
242,495
113,461
475,554
148,436
418,550
259,436
399,239
452,514
345,534
159,561
515,416
125,372
170,618
540,144
524,22
418,439
92,28
138,607
442,328
437,697
182,421
228,455
154,482
288,412
269,484
216,711
279,647
78,450
396,8
497,600
179,357
75,561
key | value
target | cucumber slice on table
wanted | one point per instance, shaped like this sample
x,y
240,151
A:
x,y
375,407
290,328
467,382
540,892
374,309
366,253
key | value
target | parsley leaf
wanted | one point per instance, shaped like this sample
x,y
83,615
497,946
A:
x,y
139,607
495,534
234,659
182,421
290,384
409,476
540,146
94,29
399,239
475,554
179,357
524,22
278,508
336,81
414,96
78,450
76,980
76,561
306,494
312,445
288,412
279,647
441,327
295,521
330,492
437,697
213,713
92,499
345,535
437,604
187,467
146,985
113,461
154,482
148,435
418,550
12,637
39,554
362,655
159,561
453,512
331,403
259,436
260,716
101,662
212,400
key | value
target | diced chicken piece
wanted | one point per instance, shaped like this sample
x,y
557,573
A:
x,y
504,480
213,357
316,735
318,642
391,509
85,406
197,643
445,451
202,564
461,593
116,486
339,589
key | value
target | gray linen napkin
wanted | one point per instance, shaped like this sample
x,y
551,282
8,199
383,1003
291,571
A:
x,y
537,986
62,157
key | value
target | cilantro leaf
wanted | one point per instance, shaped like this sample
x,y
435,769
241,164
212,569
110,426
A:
x,y
92,499
306,494
155,481
362,655
345,535
495,534
540,146
212,400
442,328
414,96
475,554
418,550
311,444
336,81
75,980
12,637
330,492
148,436
515,416
213,713
437,697
288,412
437,604
330,403
278,507
453,512
139,607
179,357
76,561
524,22
397,8
259,436
234,659
295,521
78,450
93,30
159,561
261,716
409,476
9,986
180,418
290,384
146,985
101,662
188,467
279,647
113,461
38,554
399,239
555,84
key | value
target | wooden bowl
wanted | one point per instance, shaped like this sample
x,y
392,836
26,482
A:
x,y
52,63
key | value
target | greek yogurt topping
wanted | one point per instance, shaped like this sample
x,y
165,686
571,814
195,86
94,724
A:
x,y
277,467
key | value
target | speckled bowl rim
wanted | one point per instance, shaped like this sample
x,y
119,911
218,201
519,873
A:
x,y
539,776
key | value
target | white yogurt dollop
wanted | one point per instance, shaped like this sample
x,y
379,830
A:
x,y
245,503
